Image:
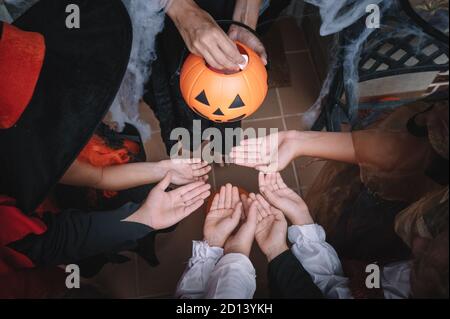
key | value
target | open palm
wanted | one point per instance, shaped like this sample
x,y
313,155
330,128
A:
x,y
223,217
278,194
186,171
272,153
271,230
164,209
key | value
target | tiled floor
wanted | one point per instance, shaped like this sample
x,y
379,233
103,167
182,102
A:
x,y
282,109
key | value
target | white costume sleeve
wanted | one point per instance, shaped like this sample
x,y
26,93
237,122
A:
x,y
395,280
193,282
320,260
233,277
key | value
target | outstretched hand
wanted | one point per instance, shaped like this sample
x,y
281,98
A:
x,y
267,154
204,37
223,217
271,230
164,209
278,194
186,171
241,242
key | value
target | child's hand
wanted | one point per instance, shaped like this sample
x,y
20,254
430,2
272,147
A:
x,y
282,197
242,241
186,171
164,209
271,230
223,217
268,154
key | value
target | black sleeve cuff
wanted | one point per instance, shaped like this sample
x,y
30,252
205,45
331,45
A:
x,y
289,280
73,235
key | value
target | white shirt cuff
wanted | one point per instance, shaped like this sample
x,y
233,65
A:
x,y
311,233
202,251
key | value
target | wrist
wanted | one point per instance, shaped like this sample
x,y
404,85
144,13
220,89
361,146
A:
x,y
214,242
303,219
296,141
139,217
237,249
276,251
247,12
178,8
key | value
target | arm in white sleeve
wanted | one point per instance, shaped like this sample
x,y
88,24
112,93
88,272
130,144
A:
x,y
193,282
395,280
320,260
234,277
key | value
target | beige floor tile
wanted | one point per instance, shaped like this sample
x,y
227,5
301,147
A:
x,y
155,148
292,35
270,107
305,85
264,124
148,116
308,169
297,122
173,251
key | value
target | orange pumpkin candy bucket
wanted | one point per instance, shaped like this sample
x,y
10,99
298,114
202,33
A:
x,y
222,97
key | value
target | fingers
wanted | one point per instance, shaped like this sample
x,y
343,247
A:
x,y
188,188
273,199
279,180
235,196
201,171
191,208
256,208
273,181
230,49
252,216
261,180
165,182
198,165
215,202
237,213
222,195
265,209
228,195
202,196
199,191
246,202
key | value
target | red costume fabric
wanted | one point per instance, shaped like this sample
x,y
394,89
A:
x,y
21,58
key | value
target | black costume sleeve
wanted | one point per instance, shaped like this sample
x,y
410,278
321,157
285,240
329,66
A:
x,y
73,235
289,280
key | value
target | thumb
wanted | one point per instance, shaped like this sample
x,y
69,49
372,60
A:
x,y
165,182
236,216
273,199
252,217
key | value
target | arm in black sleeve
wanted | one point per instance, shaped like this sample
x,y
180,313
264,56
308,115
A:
x,y
289,280
73,235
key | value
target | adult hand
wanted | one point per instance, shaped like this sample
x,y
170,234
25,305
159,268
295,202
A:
x,y
237,33
271,230
164,209
267,154
203,36
242,241
282,197
223,217
186,171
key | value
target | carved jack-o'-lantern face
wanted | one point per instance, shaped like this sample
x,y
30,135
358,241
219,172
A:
x,y
224,97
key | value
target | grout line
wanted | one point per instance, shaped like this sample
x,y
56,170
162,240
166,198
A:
x,y
263,119
316,73
280,103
